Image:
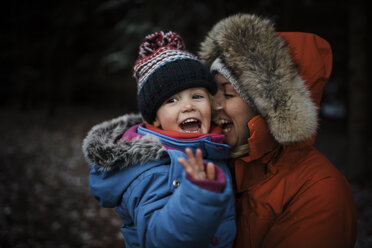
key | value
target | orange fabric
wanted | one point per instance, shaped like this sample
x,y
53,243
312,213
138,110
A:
x,y
297,199
175,134
293,196
313,57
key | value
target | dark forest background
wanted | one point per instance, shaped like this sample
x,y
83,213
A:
x,y
67,65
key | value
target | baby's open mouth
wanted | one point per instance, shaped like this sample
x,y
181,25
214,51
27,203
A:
x,y
191,125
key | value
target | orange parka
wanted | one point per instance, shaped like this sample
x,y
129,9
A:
x,y
292,195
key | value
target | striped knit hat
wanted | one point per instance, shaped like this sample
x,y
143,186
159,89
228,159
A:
x,y
165,68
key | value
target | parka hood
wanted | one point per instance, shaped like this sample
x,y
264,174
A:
x,y
105,148
281,75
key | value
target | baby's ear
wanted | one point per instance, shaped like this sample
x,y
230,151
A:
x,y
156,123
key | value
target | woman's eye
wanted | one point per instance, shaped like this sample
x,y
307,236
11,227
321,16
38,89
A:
x,y
228,95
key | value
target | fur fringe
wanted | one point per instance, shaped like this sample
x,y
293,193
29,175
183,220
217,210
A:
x,y
104,148
258,59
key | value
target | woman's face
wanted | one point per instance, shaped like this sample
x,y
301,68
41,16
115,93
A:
x,y
232,113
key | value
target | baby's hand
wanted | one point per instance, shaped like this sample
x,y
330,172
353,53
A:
x,y
195,168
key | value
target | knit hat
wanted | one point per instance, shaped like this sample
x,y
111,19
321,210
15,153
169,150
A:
x,y
164,68
275,73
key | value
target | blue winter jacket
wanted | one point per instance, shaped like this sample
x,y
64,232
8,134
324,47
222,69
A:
x,y
159,206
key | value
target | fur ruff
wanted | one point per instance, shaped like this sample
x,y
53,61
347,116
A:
x,y
104,147
258,59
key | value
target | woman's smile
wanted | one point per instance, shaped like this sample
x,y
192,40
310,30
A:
x,y
232,113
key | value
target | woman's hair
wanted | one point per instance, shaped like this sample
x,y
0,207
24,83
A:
x,y
240,151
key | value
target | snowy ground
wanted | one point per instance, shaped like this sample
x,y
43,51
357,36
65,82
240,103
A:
x,y
45,199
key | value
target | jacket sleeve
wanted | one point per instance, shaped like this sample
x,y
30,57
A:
x,y
188,217
322,215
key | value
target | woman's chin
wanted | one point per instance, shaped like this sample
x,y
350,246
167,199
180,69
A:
x,y
230,141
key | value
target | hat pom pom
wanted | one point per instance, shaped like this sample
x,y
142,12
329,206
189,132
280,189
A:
x,y
160,39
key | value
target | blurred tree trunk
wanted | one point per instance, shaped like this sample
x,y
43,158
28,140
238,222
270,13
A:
x,y
357,167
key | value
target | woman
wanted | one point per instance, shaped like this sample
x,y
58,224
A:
x,y
269,89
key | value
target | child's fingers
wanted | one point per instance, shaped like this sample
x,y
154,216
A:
x,y
184,163
195,161
211,171
194,166
190,156
199,160
188,168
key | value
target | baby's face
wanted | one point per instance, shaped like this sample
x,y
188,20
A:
x,y
188,111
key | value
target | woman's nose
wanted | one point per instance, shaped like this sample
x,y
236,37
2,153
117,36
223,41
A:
x,y
218,101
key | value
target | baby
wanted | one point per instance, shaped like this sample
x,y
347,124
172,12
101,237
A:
x,y
165,195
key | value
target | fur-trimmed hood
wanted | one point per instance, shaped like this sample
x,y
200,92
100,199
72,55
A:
x,y
281,75
104,147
